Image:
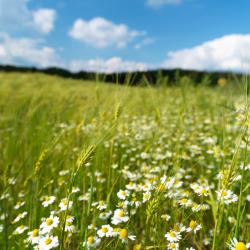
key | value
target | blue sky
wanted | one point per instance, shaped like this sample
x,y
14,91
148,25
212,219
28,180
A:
x,y
117,35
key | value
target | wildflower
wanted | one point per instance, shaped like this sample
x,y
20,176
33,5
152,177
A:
x,y
102,205
122,194
135,202
203,191
69,227
75,190
19,204
146,196
173,246
173,236
33,236
238,245
124,235
84,197
184,202
179,228
131,186
196,207
49,223
19,217
48,200
48,242
226,196
65,204
105,215
137,247
21,229
105,231
119,216
166,217
92,242
193,226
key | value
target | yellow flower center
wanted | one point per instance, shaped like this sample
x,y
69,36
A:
x,y
121,213
203,191
21,227
240,246
123,234
35,233
101,203
184,200
91,240
47,198
65,202
47,241
137,247
67,224
223,193
104,230
49,221
192,224
172,245
172,234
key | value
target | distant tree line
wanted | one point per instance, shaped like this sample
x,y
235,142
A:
x,y
152,77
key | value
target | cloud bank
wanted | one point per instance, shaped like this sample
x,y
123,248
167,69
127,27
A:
x,y
229,52
101,33
114,64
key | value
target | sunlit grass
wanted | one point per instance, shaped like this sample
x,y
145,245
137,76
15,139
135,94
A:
x,y
91,165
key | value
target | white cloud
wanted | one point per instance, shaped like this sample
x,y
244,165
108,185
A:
x,y
114,64
146,41
15,15
44,19
159,3
27,51
100,33
230,52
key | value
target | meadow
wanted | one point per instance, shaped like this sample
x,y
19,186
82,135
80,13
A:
x,y
88,165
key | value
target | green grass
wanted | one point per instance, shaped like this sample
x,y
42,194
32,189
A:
x,y
107,136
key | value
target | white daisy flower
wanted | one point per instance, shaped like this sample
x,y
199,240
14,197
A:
x,y
124,236
19,204
48,242
173,236
19,217
226,196
119,216
105,215
173,246
33,236
146,196
92,242
75,190
193,226
21,229
64,204
122,194
234,244
49,223
105,231
48,200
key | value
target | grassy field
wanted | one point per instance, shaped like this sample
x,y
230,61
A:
x,y
87,165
